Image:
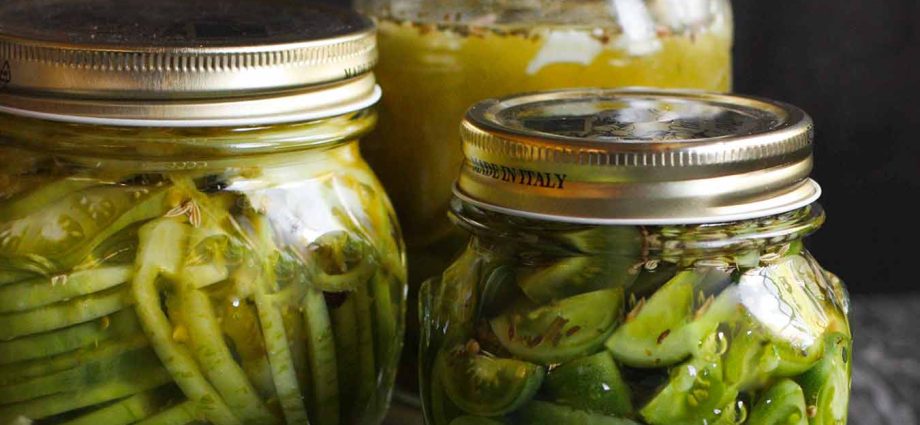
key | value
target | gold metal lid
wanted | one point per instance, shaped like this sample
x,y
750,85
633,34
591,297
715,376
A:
x,y
637,156
183,62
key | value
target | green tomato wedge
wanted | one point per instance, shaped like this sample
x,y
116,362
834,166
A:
x,y
605,257
668,327
782,404
560,331
484,385
827,384
625,241
545,413
590,383
571,276
785,299
695,392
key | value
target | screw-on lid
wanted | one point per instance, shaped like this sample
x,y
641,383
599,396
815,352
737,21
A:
x,y
132,61
637,156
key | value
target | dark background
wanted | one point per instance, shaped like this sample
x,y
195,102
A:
x,y
854,65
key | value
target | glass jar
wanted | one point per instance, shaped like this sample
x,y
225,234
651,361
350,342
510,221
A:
x,y
440,56
636,258
188,232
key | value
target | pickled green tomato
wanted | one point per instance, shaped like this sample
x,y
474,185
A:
x,y
262,290
681,325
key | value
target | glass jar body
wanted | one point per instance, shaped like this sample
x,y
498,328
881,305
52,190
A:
x,y
223,275
440,57
541,322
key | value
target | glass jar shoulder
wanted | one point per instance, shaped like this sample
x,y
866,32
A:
x,y
597,323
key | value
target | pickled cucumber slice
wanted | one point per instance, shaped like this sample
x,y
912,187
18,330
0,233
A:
x,y
695,392
144,379
545,413
782,404
321,354
20,371
123,323
65,314
345,333
85,375
34,293
207,345
367,370
560,331
592,384
484,385
123,412
668,328
280,359
827,384
161,251
180,414
343,262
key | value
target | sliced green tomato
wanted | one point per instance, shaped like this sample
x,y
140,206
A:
x,y
544,413
754,357
590,383
695,392
499,290
619,240
576,275
27,203
475,420
560,331
668,328
60,236
782,404
454,298
484,385
785,299
827,384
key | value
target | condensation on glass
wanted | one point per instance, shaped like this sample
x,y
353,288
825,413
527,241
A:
x,y
188,232
635,257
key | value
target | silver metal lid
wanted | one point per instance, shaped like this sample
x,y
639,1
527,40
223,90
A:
x,y
637,156
160,60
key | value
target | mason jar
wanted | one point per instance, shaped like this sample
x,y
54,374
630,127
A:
x,y
188,232
635,257
440,56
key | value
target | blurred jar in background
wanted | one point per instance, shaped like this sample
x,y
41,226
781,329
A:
x,y
437,57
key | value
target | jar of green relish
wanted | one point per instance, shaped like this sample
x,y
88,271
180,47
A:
x,y
188,232
636,257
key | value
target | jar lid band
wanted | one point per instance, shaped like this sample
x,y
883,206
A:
x,y
128,58
637,156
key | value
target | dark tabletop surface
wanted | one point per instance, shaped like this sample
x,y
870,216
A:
x,y
886,370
